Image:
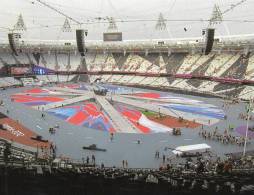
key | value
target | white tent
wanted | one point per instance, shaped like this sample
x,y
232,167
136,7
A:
x,y
192,148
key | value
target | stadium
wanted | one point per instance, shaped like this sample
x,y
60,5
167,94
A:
x,y
92,103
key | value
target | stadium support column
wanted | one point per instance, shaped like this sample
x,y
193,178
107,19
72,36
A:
x,y
14,42
80,41
83,68
209,39
80,38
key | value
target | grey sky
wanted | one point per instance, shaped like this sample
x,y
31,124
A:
x,y
36,17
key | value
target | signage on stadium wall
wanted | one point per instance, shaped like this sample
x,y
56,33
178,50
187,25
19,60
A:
x,y
38,70
114,36
20,70
12,130
4,70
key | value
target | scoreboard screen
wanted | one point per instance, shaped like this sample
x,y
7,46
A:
x,y
116,36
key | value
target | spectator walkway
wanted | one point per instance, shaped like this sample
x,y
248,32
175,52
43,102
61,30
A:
x,y
162,100
65,102
119,122
157,108
49,94
74,91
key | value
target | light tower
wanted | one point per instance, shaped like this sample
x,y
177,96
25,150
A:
x,y
161,30
112,27
15,35
161,23
66,26
216,17
20,25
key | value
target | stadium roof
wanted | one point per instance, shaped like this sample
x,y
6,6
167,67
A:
x,y
135,18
